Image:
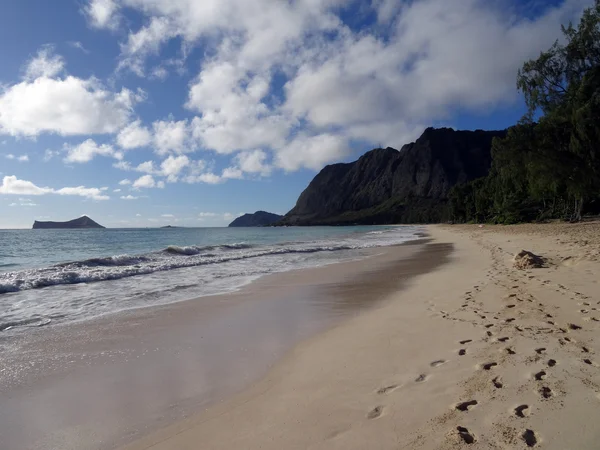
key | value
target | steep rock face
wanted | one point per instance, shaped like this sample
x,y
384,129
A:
x,y
387,185
81,222
258,219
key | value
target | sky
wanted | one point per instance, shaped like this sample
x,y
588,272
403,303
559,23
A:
x,y
142,113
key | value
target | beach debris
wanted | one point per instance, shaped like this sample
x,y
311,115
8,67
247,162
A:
x,y
527,260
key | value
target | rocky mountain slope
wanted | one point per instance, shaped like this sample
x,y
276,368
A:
x,y
391,186
81,222
258,219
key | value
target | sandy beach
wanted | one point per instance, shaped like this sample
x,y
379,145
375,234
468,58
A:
x,y
474,353
436,344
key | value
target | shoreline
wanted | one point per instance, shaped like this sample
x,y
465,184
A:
x,y
158,365
476,352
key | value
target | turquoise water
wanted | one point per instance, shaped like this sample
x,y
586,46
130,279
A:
x,y
53,276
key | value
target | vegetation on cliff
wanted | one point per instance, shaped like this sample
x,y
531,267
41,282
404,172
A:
x,y
548,167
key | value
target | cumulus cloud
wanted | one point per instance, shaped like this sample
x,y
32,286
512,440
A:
x,y
128,197
253,162
87,150
134,135
30,108
44,64
13,185
418,62
311,152
125,182
102,13
147,181
171,136
172,167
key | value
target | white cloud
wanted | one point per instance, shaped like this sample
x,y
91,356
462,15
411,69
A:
x,y
147,181
147,40
116,190
128,197
138,215
146,167
30,108
208,177
134,135
102,13
125,182
172,167
171,136
159,73
207,214
423,61
311,152
49,154
167,215
253,162
234,117
82,191
44,64
232,173
13,185
79,46
20,158
87,150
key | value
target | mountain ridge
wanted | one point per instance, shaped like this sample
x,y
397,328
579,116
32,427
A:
x,y
386,185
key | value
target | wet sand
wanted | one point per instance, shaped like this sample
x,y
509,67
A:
x,y
103,383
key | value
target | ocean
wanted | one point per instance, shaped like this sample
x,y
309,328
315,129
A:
x,y
49,277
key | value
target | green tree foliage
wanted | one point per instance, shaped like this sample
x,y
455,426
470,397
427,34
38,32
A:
x,y
549,168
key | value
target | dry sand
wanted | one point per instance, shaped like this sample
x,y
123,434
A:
x,y
476,354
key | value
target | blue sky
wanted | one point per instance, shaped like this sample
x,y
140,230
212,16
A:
x,y
154,112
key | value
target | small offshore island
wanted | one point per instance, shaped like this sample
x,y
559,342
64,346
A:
x,y
81,222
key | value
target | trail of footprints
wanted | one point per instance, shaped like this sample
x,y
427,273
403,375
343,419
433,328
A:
x,y
528,436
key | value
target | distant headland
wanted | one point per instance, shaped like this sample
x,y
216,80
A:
x,y
81,222
258,219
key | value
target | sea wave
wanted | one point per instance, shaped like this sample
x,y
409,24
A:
x,y
175,257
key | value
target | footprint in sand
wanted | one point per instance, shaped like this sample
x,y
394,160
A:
x,y
465,406
375,412
466,341
464,434
421,378
540,375
551,362
509,320
488,366
490,325
585,349
545,392
387,389
489,333
530,438
437,363
540,350
522,411
503,339
590,362
462,352
510,351
572,326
